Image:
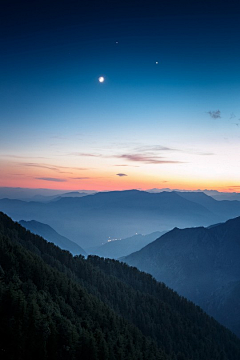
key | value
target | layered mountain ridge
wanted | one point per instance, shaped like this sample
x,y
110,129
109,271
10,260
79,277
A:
x,y
93,219
201,264
51,235
57,306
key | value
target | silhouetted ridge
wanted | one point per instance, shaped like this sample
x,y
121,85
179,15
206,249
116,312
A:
x,y
49,234
118,214
57,306
45,312
199,263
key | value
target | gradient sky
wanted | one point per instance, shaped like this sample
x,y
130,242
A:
x,y
174,123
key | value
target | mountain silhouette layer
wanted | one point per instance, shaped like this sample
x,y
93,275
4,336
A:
x,y
201,264
49,234
93,219
56,306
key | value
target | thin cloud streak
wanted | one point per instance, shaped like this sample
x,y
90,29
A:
x,y
80,178
55,168
24,157
42,166
154,148
84,154
51,179
147,159
121,174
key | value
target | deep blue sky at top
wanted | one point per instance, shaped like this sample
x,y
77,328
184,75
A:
x,y
65,41
52,53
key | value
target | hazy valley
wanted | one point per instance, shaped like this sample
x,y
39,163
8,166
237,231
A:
x,y
93,219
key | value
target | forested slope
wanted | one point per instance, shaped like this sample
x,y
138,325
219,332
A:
x,y
56,306
201,264
47,315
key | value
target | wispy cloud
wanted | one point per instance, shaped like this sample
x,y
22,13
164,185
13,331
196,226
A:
x,y
42,166
81,178
121,174
147,159
18,174
24,157
56,168
51,179
84,154
148,154
154,148
214,114
145,154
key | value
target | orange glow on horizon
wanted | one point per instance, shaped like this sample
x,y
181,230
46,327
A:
x,y
48,176
116,185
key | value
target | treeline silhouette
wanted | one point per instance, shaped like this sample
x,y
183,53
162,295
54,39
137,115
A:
x,y
56,306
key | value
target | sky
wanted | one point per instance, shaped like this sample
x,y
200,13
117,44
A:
x,y
166,116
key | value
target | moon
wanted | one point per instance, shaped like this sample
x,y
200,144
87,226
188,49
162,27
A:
x,y
101,79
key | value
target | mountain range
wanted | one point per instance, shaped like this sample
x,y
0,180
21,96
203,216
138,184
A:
x,y
201,264
60,307
220,208
49,234
93,219
42,195
217,195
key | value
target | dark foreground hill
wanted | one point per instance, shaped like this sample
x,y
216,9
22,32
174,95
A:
x,y
49,234
201,264
92,219
56,306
